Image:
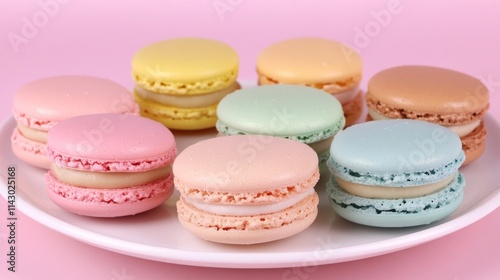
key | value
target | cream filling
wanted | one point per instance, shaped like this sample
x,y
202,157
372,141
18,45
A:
x,y
464,129
187,101
344,96
248,210
392,192
108,180
322,145
461,130
33,134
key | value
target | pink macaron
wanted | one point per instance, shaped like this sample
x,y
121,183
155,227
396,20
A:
x,y
109,165
246,189
41,104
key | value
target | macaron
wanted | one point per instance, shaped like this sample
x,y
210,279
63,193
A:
x,y
438,95
180,81
319,63
395,173
295,112
246,189
41,104
109,165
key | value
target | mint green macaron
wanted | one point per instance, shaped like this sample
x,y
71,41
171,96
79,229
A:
x,y
300,113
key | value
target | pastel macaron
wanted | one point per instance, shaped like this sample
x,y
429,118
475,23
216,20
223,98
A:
x,y
180,81
300,113
41,104
246,189
395,173
109,165
438,95
319,63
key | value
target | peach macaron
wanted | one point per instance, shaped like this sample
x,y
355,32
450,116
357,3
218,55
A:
x,y
41,104
246,189
109,165
316,62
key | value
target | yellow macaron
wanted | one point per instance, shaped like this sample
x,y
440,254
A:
x,y
179,82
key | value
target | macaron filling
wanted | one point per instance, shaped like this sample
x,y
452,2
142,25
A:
x,y
265,196
126,196
33,134
460,129
186,101
248,210
384,192
108,180
436,200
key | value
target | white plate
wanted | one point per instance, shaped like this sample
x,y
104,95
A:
x,y
157,235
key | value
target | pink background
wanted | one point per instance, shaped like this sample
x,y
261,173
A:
x,y
100,37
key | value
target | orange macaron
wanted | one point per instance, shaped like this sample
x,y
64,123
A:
x,y
316,62
438,95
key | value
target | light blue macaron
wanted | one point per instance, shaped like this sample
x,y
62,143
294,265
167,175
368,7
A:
x,y
295,112
395,156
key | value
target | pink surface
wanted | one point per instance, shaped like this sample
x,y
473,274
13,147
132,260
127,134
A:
x,y
42,103
99,38
241,164
96,143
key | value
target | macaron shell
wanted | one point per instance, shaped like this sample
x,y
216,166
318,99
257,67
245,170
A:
x,y
31,152
281,110
245,163
185,66
109,202
397,212
310,60
474,144
60,97
393,221
249,229
178,118
90,143
353,110
412,87
421,145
